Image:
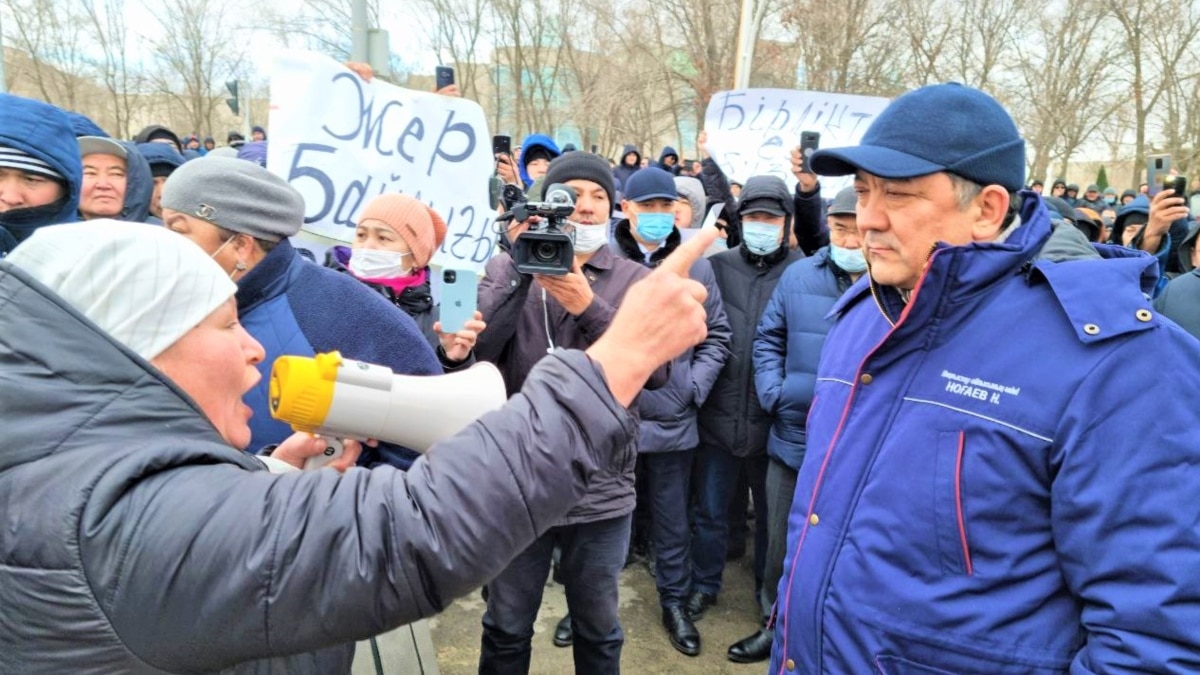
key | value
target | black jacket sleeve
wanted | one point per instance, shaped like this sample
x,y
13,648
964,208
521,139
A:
x,y
808,222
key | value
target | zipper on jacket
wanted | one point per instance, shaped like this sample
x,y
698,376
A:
x,y
958,504
875,293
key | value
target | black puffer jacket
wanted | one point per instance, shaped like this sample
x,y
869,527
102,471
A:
x,y
732,418
134,540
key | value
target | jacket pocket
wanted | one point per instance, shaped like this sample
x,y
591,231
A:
x,y
953,524
887,664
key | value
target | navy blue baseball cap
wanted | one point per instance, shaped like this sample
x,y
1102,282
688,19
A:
x,y
650,183
941,127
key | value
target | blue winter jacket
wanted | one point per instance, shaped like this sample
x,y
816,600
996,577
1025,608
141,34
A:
x,y
43,131
668,414
788,344
1000,481
535,141
296,307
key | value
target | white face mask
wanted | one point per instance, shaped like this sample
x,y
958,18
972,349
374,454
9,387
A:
x,y
589,238
367,263
240,267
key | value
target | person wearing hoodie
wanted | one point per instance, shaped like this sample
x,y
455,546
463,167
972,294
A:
x,y
394,240
631,162
690,207
1071,196
1130,231
1092,199
669,431
82,125
117,182
258,134
1168,224
668,160
157,133
1179,301
163,161
209,145
537,151
1128,196
1058,188
40,170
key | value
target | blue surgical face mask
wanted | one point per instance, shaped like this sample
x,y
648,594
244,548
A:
x,y
654,227
1111,199
850,259
760,238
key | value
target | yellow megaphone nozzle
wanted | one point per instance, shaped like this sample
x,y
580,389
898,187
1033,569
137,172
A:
x,y
301,389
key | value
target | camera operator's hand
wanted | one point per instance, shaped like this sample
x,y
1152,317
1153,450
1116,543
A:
x,y
458,345
661,317
506,169
807,181
300,446
571,290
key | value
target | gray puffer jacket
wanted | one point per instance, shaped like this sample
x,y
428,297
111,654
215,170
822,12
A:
x,y
134,540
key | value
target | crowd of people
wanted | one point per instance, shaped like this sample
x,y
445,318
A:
x,y
936,390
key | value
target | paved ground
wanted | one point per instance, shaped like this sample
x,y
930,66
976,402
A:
x,y
456,631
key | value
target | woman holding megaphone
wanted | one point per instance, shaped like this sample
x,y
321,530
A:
x,y
137,536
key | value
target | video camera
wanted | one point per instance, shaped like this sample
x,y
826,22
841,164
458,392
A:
x,y
544,248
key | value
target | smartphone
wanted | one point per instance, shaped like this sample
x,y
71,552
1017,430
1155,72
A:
x,y
445,76
1158,168
809,142
1178,184
501,145
459,291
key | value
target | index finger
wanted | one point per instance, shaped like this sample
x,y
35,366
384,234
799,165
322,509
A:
x,y
681,259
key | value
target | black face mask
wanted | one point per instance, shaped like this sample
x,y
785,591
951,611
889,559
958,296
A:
x,y
22,222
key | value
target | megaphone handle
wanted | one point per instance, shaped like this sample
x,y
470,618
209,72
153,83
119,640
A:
x,y
333,450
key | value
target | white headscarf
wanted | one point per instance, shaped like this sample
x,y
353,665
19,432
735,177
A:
x,y
142,284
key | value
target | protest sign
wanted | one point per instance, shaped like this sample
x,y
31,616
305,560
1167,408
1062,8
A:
x,y
751,132
341,141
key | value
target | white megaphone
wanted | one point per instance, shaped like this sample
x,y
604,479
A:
x,y
340,398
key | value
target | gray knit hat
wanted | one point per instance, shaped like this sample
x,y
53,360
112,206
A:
x,y
237,195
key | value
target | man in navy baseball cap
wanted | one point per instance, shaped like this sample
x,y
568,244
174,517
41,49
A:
x,y
982,494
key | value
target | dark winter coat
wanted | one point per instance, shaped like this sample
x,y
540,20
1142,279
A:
x,y
622,172
135,540
668,414
788,346
525,324
732,418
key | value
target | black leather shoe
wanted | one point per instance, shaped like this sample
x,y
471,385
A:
x,y
681,631
699,603
564,635
753,649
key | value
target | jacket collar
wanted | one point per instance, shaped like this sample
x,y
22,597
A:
x,y
628,246
764,261
268,279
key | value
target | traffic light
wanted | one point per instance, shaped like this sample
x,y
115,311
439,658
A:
x,y
232,86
